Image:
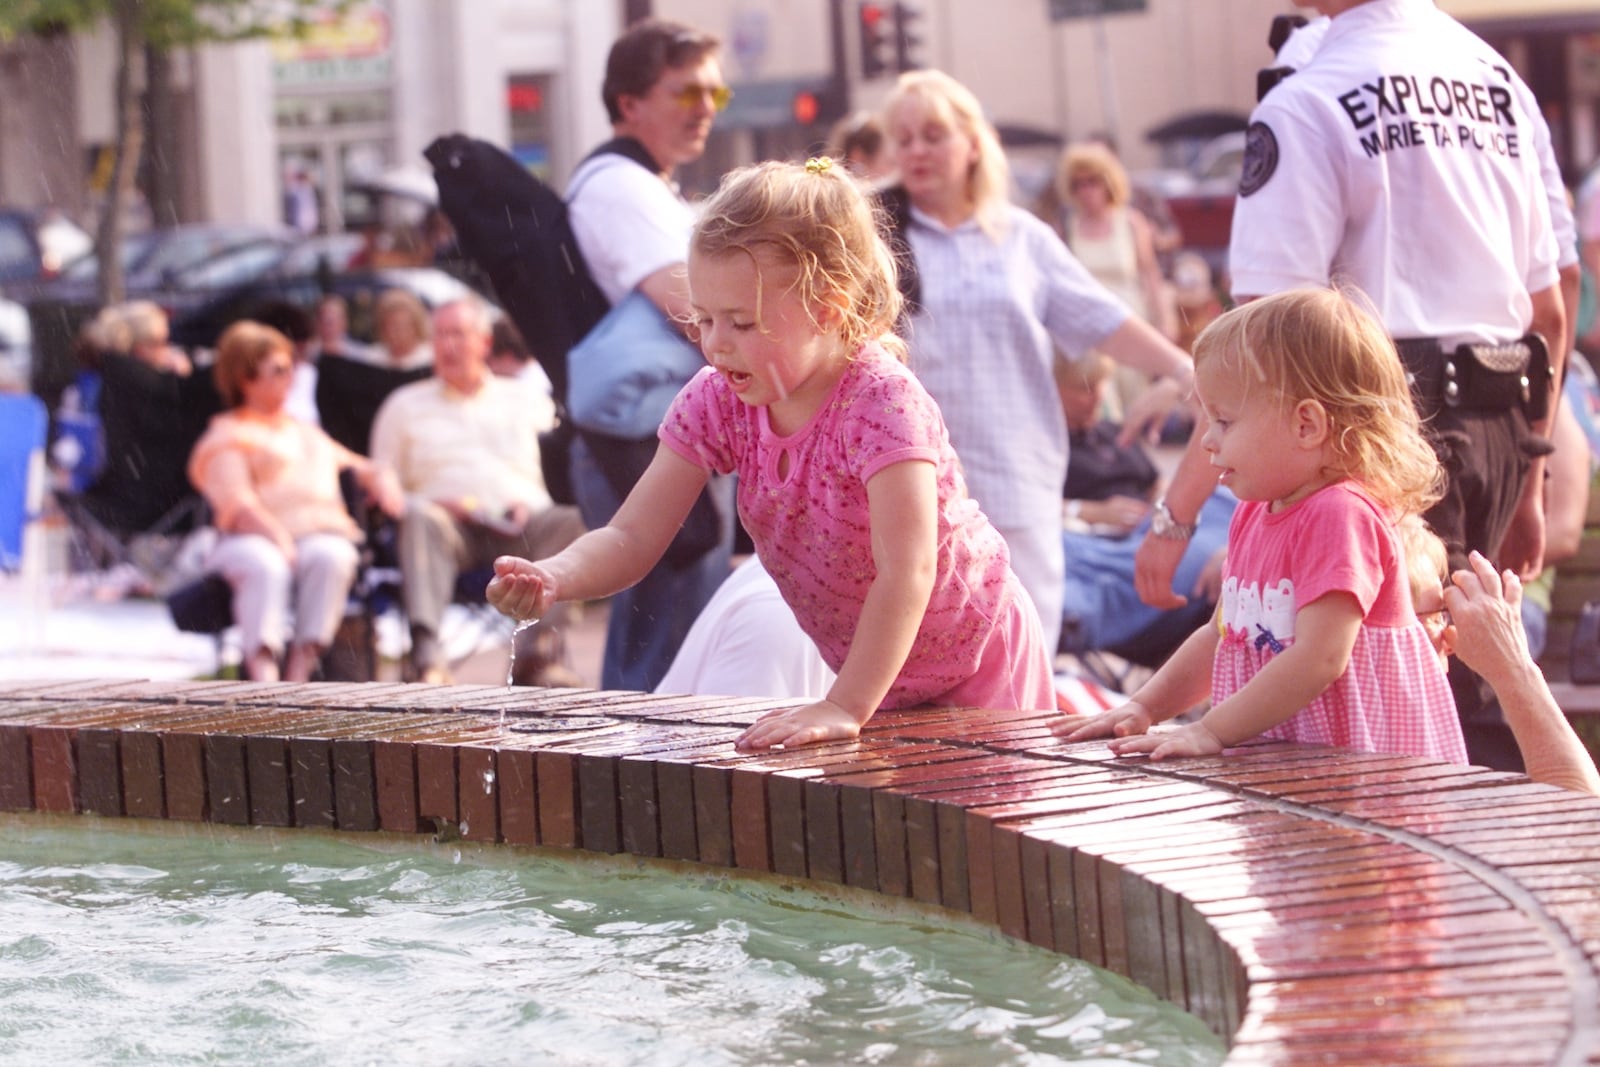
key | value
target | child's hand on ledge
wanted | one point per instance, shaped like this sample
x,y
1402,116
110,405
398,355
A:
x,y
1192,739
787,727
1122,721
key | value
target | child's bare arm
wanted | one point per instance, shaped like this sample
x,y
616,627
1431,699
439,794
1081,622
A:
x,y
902,499
609,559
1181,682
1325,632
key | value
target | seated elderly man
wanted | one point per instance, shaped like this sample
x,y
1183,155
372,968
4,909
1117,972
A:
x,y
465,446
1110,493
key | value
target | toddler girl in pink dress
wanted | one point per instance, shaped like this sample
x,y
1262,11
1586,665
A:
x,y
1315,640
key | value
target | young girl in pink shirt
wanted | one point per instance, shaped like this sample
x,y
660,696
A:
x,y
848,485
1315,640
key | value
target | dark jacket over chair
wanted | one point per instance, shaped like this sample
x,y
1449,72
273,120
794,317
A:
x,y
151,420
349,393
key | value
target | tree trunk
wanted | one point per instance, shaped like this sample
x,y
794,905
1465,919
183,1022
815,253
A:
x,y
160,124
130,141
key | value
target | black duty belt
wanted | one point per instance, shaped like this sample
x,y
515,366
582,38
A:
x,y
1478,377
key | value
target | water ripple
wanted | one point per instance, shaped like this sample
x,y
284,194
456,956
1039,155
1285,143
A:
x,y
224,947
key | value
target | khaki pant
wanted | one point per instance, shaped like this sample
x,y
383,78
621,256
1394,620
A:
x,y
435,550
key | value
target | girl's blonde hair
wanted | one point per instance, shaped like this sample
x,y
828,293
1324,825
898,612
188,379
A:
x,y
815,219
989,178
1093,161
1318,344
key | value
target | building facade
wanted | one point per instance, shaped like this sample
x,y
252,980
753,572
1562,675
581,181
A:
x,y
362,95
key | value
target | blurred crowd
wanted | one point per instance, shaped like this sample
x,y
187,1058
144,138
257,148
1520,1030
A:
x,y
1084,305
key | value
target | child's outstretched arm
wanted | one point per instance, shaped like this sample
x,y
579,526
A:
x,y
609,559
1177,685
902,499
1325,632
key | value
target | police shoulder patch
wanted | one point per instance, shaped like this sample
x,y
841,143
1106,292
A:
x,y
1260,158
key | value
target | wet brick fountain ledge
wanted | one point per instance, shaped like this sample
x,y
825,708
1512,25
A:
x,y
1312,906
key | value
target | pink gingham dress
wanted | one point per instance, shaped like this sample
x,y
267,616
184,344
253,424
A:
x,y
1393,696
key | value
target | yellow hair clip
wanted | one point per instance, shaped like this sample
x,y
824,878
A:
x,y
818,165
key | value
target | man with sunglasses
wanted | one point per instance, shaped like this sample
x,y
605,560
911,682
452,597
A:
x,y
663,87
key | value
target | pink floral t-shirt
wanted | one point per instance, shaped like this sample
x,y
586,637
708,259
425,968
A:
x,y
803,499
1393,696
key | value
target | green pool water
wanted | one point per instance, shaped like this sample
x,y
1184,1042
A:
x,y
130,943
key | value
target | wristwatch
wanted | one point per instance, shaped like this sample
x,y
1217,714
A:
x,y
1164,526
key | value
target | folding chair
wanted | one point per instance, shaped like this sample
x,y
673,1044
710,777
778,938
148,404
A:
x,y
463,632
24,423
23,428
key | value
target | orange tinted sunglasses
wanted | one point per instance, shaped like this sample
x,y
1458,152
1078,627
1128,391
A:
x,y
691,95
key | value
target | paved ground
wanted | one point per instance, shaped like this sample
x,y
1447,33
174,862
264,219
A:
x,y
60,626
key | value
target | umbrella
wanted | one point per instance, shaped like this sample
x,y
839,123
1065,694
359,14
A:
x,y
407,182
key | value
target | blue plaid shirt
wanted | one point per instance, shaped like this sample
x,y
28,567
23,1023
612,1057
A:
x,y
994,310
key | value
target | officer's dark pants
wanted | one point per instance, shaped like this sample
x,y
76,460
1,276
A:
x,y
1486,455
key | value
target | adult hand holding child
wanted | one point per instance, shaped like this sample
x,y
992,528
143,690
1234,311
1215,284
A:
x,y
1486,610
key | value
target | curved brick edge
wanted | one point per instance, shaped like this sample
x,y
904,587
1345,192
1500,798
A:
x,y
1310,905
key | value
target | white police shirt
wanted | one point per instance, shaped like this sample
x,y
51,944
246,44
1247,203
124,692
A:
x,y
1301,47
1303,42
1399,161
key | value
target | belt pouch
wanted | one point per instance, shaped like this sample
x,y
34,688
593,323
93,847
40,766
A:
x,y
1500,377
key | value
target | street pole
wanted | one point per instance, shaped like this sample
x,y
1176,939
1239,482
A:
x,y
1108,80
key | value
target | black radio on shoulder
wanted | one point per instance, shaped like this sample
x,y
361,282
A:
x,y
1282,27
1268,77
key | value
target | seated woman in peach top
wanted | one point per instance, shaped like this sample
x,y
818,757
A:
x,y
273,483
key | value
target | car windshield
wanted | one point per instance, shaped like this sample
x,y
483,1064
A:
x,y
150,255
233,267
87,268
337,249
182,248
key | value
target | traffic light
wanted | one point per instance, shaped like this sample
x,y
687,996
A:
x,y
877,49
908,39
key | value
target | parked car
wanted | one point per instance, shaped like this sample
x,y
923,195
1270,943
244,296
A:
x,y
154,258
203,295
157,265
1201,195
36,245
199,325
261,264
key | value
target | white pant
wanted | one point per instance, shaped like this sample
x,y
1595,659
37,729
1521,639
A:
x,y
1040,561
263,581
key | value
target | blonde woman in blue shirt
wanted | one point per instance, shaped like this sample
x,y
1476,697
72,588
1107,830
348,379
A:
x,y
997,292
